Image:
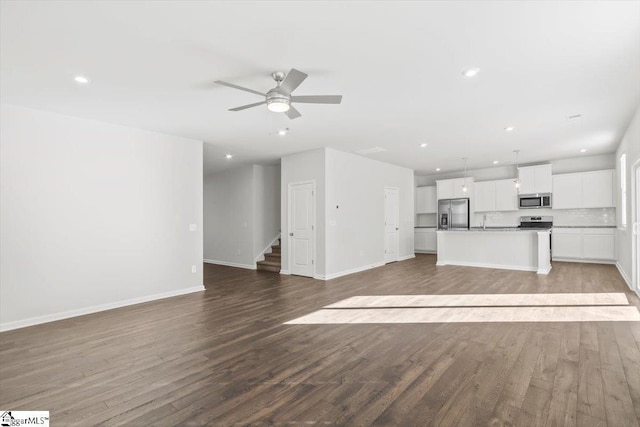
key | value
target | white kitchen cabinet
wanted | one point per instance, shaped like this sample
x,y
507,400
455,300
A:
x,y
485,196
506,196
583,190
566,243
495,196
452,188
535,179
597,189
425,240
567,191
583,244
598,244
426,200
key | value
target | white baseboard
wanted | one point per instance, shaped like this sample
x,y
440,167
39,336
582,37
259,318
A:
x,y
406,257
483,265
7,326
347,272
545,270
230,264
582,260
420,251
285,272
624,276
260,256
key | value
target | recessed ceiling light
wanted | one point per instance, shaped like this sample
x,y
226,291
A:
x,y
509,128
584,150
228,156
423,145
471,72
437,169
81,79
283,132
495,162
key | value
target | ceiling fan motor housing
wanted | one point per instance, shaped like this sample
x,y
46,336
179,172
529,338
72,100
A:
x,y
275,96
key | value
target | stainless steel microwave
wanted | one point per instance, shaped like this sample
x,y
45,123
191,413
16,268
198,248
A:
x,y
534,201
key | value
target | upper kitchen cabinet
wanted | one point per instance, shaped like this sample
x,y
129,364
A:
x,y
453,188
535,179
506,196
495,196
567,191
426,200
583,190
597,189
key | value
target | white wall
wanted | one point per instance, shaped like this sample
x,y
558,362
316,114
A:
x,y
93,216
630,144
228,217
266,206
241,214
306,166
355,211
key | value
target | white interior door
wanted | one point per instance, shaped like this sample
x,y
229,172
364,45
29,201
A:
x,y
391,225
301,229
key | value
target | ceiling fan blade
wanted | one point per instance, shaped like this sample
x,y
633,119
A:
x,y
318,99
292,113
244,107
293,79
231,85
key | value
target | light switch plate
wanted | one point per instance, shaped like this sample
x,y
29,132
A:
x,y
193,269
193,227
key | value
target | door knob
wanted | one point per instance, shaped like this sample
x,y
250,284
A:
x,y
397,229
290,234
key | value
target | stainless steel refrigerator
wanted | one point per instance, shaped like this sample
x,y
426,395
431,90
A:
x,y
453,214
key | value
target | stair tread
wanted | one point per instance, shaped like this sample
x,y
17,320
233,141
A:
x,y
269,263
274,254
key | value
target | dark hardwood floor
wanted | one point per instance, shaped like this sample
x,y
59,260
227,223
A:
x,y
224,357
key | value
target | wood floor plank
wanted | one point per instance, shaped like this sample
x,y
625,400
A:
x,y
225,357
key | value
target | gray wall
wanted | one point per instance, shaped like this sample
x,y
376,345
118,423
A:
x,y
241,214
93,215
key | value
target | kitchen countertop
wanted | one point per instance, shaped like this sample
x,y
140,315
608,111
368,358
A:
x,y
497,230
584,226
426,226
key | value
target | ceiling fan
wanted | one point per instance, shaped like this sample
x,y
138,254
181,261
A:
x,y
279,99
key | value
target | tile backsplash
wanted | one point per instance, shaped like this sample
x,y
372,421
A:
x,y
575,217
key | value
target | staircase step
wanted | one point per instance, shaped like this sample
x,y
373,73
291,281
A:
x,y
276,249
273,257
269,266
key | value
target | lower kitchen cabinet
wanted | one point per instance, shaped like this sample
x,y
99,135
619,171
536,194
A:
x,y
583,244
425,240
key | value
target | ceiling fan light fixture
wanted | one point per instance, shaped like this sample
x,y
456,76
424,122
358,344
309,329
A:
x,y
278,105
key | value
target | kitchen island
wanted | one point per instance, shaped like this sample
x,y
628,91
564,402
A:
x,y
504,248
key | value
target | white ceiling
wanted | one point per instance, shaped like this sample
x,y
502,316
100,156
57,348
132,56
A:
x,y
398,66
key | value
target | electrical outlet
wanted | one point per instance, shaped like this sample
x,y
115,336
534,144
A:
x,y
193,269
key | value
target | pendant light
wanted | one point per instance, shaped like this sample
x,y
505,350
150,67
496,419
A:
x,y
464,185
516,181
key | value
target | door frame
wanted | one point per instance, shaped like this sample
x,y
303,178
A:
x,y
635,227
384,231
289,216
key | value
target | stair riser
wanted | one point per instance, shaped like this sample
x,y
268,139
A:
x,y
269,268
272,257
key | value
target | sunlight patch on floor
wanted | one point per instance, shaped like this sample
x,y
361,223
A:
x,y
470,315
477,300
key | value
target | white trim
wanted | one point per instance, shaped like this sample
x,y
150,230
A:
x,y
584,260
261,256
285,272
94,309
544,270
626,278
406,257
384,231
421,251
486,265
347,272
230,264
